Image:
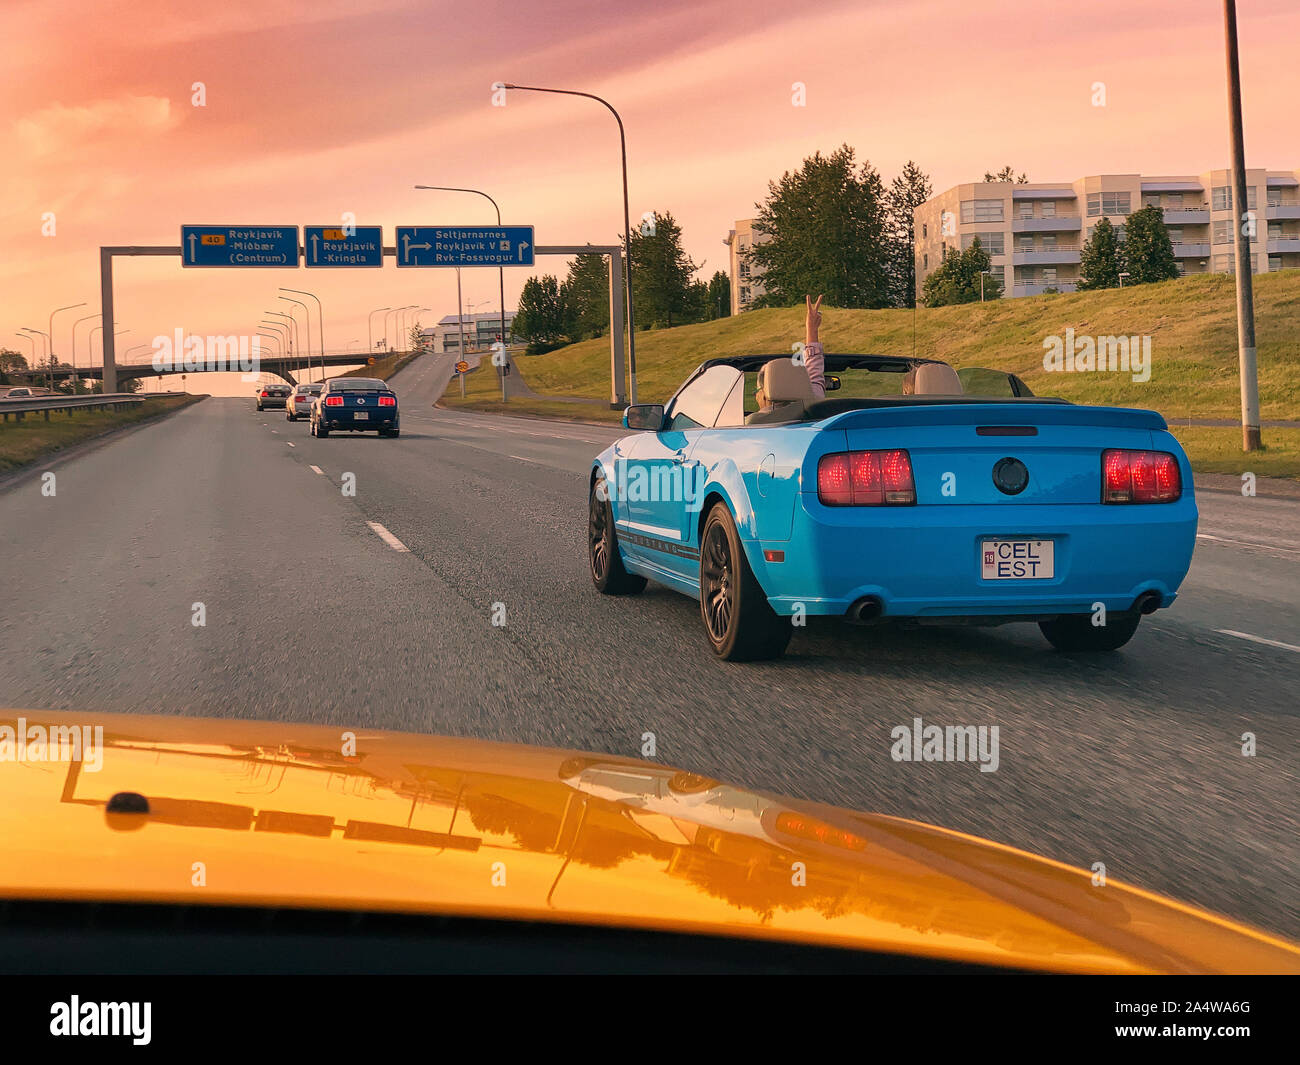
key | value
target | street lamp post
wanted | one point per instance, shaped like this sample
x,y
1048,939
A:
x,y
297,344
370,333
87,318
501,273
45,349
307,310
57,310
627,224
286,340
320,325
983,274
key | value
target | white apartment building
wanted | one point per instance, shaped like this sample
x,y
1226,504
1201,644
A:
x,y
1035,232
746,283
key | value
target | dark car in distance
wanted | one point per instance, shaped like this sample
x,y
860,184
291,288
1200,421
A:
x,y
357,405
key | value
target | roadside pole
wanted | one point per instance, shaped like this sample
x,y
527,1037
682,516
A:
x,y
1246,352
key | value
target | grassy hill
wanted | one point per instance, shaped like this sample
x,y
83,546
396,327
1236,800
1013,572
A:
x,y
1192,323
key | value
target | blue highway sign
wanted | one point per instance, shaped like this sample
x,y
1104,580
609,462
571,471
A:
x,y
340,246
239,246
464,245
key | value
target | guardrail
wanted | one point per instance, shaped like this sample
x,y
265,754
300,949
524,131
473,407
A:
x,y
21,406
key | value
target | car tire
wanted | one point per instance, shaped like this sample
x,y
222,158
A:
x,y
738,620
608,573
321,431
290,418
1076,632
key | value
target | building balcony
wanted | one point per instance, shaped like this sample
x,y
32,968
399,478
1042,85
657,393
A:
x,y
1283,245
1045,257
1187,216
1289,210
1037,288
1061,224
1191,249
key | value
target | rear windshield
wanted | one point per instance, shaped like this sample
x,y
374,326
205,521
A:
x,y
358,384
313,389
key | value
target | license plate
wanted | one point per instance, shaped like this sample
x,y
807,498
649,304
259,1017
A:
x,y
1018,560
360,416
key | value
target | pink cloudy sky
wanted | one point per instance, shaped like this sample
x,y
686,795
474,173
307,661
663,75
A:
x,y
321,107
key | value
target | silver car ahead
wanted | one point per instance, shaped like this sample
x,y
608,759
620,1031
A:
x,y
299,402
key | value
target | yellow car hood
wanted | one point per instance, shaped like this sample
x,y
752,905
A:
x,y
261,813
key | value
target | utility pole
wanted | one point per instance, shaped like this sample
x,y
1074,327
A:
x,y
1250,435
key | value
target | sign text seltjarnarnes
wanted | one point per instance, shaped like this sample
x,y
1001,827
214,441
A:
x,y
464,245
239,246
339,246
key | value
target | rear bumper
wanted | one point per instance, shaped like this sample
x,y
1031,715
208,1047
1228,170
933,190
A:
x,y
346,423
269,404
925,561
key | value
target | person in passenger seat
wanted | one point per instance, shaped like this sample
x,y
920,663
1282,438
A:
x,y
814,359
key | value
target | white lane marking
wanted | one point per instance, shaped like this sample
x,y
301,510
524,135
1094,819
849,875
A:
x,y
291,443
388,538
1259,639
1248,543
317,469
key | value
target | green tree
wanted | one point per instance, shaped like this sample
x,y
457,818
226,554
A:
x,y
1006,174
824,226
540,317
416,340
1101,259
1148,253
909,190
719,295
584,295
661,273
957,279
12,361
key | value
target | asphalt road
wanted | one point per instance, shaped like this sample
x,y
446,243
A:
x,y
312,614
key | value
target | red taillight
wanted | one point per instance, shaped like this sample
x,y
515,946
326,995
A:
x,y
388,401
333,401
866,479
265,393
1140,477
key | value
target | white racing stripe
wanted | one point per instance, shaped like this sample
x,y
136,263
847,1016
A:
x,y
1258,639
388,538
1249,543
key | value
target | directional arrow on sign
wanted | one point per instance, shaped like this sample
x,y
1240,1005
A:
x,y
193,238
523,246
315,251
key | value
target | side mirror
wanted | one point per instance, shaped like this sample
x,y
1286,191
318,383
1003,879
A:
x,y
832,382
644,416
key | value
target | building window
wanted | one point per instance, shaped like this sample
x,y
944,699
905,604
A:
x,y
1275,231
1025,210
1224,263
1049,240
1049,273
1252,198
1175,235
1151,199
1221,198
981,211
1100,203
1181,267
1223,231
1274,263
744,270
993,243
925,261
925,230
1275,197
1174,199
744,294
1025,243
1048,208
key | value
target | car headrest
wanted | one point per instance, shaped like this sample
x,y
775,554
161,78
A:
x,y
784,381
936,379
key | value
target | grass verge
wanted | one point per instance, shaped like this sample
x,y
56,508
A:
x,y
383,368
33,438
1218,450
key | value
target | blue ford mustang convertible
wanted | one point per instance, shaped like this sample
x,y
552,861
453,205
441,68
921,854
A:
x,y
900,496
